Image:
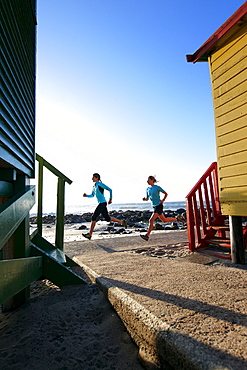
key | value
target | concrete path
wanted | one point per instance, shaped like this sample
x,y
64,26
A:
x,y
184,311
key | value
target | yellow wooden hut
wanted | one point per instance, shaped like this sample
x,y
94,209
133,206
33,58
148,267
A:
x,y
226,53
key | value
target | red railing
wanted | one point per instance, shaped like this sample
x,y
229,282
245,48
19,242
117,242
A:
x,y
203,209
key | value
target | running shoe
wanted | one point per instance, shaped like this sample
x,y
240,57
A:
x,y
179,219
145,237
87,236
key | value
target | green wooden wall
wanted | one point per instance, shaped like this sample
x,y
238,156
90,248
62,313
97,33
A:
x,y
18,54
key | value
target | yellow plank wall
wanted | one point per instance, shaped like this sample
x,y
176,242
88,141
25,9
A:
x,y
228,68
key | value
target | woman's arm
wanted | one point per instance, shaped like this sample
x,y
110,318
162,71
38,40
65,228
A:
x,y
146,197
90,195
165,196
107,188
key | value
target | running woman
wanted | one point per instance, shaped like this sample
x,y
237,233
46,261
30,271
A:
x,y
98,191
153,192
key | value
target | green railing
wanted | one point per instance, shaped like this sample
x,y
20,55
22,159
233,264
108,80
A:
x,y
62,179
14,211
25,257
17,268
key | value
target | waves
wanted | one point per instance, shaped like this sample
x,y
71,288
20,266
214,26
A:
x,y
80,209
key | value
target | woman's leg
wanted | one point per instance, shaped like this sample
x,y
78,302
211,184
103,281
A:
x,y
106,216
95,215
169,219
89,235
93,223
151,223
122,222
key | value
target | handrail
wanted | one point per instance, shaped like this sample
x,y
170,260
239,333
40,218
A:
x,y
212,167
203,206
14,211
52,169
62,179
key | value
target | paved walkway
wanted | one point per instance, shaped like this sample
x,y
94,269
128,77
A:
x,y
185,310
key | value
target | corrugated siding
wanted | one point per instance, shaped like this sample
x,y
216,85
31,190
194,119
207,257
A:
x,y
229,83
17,128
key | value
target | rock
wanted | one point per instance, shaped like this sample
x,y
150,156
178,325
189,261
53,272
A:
x,y
122,230
158,227
174,226
135,219
73,219
180,211
138,225
110,229
169,213
82,227
167,227
146,215
141,230
87,216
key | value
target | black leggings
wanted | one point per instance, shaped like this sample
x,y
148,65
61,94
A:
x,y
101,209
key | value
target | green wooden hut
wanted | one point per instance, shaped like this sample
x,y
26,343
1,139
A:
x,y
24,258
17,142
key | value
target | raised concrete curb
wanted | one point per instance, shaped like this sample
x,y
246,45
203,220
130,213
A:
x,y
160,347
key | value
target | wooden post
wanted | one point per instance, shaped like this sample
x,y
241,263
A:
x,y
7,253
60,214
40,195
237,241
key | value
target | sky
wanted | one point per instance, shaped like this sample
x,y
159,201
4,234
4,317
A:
x,y
115,94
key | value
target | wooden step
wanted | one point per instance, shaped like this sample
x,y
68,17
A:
x,y
219,241
215,254
218,227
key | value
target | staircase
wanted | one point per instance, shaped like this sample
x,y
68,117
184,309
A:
x,y
208,229
57,266
25,258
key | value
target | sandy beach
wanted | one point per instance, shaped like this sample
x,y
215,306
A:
x,y
73,327
73,232
70,328
76,327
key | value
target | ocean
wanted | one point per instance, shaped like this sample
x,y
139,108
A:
x,y
80,209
